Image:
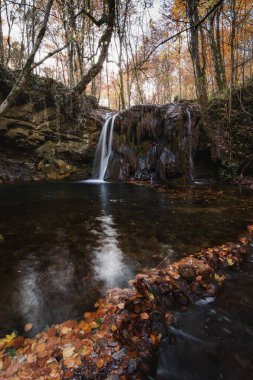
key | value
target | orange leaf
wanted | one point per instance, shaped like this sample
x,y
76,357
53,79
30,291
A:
x,y
144,316
153,338
94,325
100,363
40,347
28,327
86,351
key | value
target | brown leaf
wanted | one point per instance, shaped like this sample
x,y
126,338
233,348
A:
x,y
135,339
86,351
17,343
68,352
69,362
31,358
42,354
94,325
70,324
40,347
13,368
144,316
51,332
28,327
100,363
55,373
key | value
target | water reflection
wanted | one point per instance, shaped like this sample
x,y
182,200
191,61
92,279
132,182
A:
x,y
108,258
45,285
109,266
66,244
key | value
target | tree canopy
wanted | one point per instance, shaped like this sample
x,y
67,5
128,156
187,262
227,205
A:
x,y
126,52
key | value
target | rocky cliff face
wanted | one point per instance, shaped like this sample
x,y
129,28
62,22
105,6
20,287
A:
x,y
232,135
158,142
50,134
47,134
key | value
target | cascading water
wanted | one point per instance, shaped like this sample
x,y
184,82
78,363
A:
x,y
189,132
104,149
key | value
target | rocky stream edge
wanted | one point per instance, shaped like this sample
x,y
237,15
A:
x,y
115,341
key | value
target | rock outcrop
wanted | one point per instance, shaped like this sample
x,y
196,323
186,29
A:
x,y
158,142
48,134
51,134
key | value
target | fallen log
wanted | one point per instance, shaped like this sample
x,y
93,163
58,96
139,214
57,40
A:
x,y
113,342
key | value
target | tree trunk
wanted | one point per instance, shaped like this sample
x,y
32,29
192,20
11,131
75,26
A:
x,y
216,54
198,66
232,57
18,86
1,36
104,43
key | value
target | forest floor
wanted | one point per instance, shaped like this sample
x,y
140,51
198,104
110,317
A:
x,y
116,341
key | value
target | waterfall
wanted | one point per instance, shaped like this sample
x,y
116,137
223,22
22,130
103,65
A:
x,y
189,132
104,149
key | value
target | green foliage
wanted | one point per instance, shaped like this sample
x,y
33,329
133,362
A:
x,y
10,351
229,169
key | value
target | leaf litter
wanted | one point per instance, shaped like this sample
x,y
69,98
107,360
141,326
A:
x,y
114,341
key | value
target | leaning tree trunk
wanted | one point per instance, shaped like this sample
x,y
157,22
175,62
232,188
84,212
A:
x,y
104,44
18,86
1,36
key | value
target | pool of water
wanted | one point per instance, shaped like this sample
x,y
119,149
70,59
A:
x,y
212,341
65,244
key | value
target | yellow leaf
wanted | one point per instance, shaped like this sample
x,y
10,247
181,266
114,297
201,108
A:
x,y
219,278
94,325
65,330
68,352
7,339
230,262
151,297
86,351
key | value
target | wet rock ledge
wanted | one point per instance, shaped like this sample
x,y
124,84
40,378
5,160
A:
x,y
115,341
49,133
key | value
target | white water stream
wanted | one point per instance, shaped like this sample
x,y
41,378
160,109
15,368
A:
x,y
104,150
189,130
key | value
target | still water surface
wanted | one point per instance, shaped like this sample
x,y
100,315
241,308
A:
x,y
67,243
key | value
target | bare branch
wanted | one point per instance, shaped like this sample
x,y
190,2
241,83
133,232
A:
x,y
195,26
49,55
